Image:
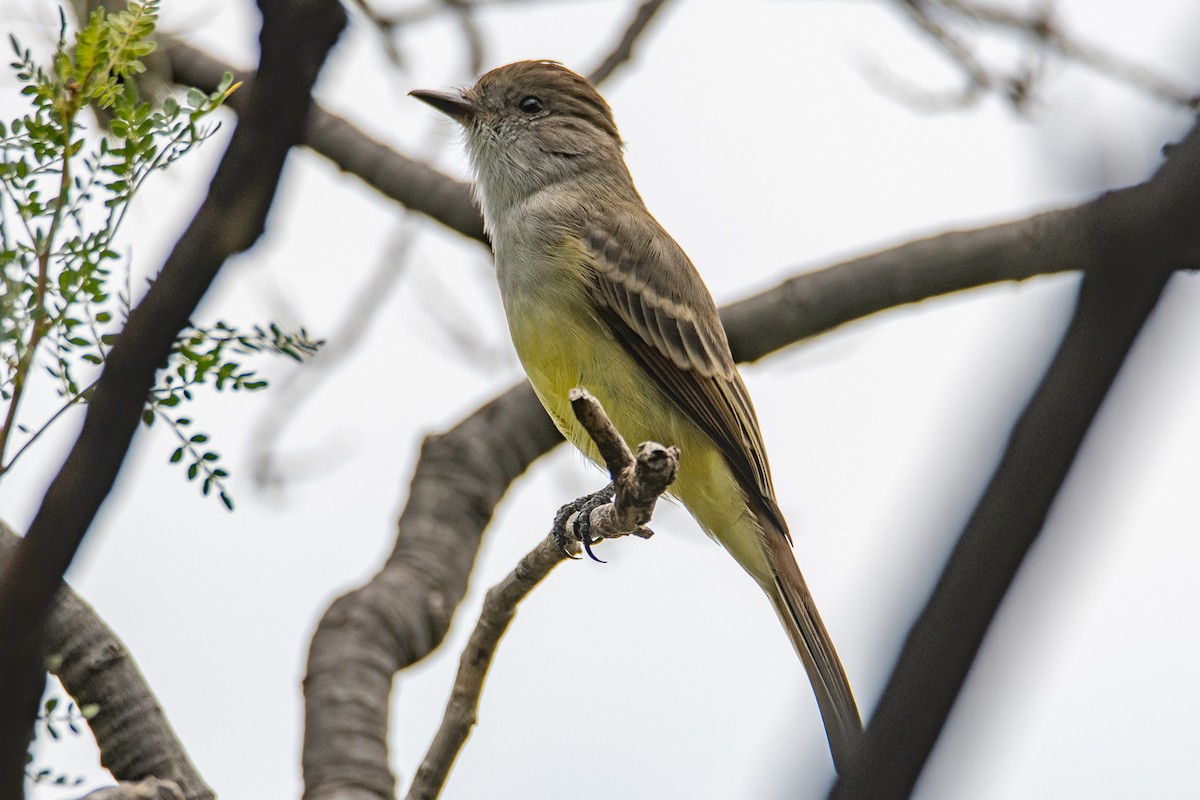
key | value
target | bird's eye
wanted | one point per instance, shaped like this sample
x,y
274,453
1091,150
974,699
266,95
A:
x,y
531,105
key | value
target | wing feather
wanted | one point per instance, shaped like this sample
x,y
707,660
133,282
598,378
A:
x,y
655,303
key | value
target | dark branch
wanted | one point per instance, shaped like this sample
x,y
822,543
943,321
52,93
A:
x,y
136,741
1134,239
818,301
410,182
295,39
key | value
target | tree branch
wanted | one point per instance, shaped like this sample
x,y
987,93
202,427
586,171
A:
x,y
639,483
951,24
814,302
136,741
398,617
410,182
1134,239
808,304
622,51
295,39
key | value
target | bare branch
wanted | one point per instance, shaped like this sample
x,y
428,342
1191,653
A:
x,y
1134,239
499,607
402,613
386,27
464,15
623,50
945,22
639,482
817,301
1040,26
977,76
136,741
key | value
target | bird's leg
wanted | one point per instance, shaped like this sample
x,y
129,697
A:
x,y
582,509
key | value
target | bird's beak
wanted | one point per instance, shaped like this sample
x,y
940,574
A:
x,y
452,105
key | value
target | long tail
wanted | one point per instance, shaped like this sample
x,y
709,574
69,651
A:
x,y
798,612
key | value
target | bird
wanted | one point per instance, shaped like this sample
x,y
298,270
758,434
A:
x,y
599,296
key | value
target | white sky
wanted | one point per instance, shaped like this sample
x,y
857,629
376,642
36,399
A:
x,y
760,142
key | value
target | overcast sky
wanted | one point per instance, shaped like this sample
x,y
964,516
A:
x,y
767,142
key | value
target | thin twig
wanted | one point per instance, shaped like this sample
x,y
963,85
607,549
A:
x,y
1040,26
941,21
640,481
622,51
499,607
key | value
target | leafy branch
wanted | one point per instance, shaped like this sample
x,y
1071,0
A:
x,y
64,194
200,355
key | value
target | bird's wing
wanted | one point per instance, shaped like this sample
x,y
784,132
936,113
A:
x,y
657,306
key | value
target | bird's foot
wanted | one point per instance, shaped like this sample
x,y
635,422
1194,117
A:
x,y
582,527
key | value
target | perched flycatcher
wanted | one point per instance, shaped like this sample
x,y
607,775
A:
x,y
598,295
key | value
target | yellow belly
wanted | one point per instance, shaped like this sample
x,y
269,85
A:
x,y
569,349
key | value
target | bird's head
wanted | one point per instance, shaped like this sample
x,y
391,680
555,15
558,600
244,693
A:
x,y
529,125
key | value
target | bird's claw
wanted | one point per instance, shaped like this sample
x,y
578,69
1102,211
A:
x,y
582,509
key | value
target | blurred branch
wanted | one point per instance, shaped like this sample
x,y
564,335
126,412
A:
x,y
623,50
403,613
295,38
1134,239
410,182
301,385
947,24
1041,26
389,25
386,27
136,741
